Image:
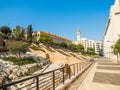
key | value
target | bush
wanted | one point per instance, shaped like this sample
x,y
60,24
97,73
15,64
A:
x,y
44,38
19,61
35,48
18,47
91,51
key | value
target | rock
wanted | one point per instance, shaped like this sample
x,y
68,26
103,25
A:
x,y
13,77
26,70
19,73
12,88
23,72
8,71
1,80
47,56
15,71
55,65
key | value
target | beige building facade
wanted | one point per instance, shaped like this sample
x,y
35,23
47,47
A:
x,y
112,32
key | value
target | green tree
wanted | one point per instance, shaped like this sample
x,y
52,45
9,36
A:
x,y
5,29
63,44
91,51
44,38
1,34
71,47
17,48
116,47
79,48
23,33
29,33
17,32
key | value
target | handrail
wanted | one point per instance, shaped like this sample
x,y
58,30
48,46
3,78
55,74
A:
x,y
11,83
70,71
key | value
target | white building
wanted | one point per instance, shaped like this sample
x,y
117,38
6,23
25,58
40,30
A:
x,y
78,36
99,48
85,43
112,32
88,43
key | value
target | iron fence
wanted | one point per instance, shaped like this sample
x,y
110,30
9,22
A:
x,y
48,80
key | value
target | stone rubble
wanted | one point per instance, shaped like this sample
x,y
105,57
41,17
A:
x,y
14,72
59,58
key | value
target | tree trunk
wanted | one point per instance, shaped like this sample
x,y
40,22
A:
x,y
19,55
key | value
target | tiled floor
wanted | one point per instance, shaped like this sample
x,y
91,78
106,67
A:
x,y
108,68
108,64
103,76
107,78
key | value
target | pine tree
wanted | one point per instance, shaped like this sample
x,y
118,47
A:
x,y
29,33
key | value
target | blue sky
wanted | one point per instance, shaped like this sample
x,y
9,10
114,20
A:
x,y
61,17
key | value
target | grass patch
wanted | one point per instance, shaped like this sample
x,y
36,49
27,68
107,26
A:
x,y
19,61
93,56
35,47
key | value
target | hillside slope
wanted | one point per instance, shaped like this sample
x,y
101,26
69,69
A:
x,y
58,55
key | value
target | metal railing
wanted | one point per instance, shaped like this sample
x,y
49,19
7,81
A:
x,y
48,80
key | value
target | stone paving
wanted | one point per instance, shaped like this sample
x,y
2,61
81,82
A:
x,y
108,68
104,75
107,78
77,82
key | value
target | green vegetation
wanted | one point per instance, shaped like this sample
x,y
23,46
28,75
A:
x,y
76,48
19,33
5,29
1,34
35,47
29,33
58,45
18,47
116,47
79,48
19,61
93,56
44,38
91,51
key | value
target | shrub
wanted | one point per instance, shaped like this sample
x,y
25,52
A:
x,y
18,47
91,51
19,61
44,38
35,48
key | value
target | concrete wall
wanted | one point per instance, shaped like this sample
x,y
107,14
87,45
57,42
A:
x,y
112,31
2,44
56,39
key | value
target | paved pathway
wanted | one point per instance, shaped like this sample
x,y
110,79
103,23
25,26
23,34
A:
x,y
104,75
77,82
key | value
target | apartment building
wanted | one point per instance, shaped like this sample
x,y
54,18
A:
x,y
98,46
